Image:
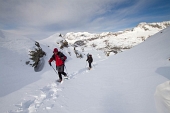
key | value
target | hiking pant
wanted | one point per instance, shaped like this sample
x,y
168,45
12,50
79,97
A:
x,y
60,70
90,64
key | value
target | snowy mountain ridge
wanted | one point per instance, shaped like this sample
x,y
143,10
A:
x,y
117,41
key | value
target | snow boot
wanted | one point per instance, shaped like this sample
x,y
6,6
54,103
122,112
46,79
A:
x,y
59,80
66,76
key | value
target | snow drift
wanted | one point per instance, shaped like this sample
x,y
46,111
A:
x,y
162,97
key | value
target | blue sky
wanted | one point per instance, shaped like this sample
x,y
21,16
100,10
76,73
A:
x,y
42,18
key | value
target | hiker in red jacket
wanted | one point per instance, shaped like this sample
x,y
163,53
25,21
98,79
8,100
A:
x,y
59,58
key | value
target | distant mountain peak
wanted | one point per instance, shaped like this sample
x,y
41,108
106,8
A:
x,y
108,41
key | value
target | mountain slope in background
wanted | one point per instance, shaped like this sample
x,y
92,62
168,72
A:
x,y
122,83
118,41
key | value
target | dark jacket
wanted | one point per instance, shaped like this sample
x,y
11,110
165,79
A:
x,y
89,58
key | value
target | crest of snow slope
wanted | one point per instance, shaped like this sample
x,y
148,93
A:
x,y
52,41
14,42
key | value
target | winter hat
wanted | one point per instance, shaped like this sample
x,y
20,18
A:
x,y
55,50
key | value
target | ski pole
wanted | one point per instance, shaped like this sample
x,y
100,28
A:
x,y
92,64
65,68
54,69
86,64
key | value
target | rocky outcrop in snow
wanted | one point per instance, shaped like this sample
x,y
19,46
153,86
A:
x,y
116,41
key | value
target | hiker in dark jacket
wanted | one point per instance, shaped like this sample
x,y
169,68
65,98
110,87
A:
x,y
59,58
90,60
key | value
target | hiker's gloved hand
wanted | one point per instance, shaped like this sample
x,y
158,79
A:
x,y
50,63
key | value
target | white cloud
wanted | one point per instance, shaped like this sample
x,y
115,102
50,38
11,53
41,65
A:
x,y
33,16
41,12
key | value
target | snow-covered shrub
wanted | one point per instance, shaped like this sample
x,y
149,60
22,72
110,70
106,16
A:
x,y
167,24
63,44
156,26
69,53
60,35
79,43
27,62
93,45
145,28
107,53
82,49
78,55
36,55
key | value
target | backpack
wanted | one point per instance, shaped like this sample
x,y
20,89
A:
x,y
60,54
89,55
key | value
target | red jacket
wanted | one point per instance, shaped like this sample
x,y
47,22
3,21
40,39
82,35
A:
x,y
59,58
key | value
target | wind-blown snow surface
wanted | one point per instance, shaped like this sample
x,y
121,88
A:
x,y
122,83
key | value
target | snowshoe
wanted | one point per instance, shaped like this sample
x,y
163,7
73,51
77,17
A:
x,y
66,77
59,80
89,68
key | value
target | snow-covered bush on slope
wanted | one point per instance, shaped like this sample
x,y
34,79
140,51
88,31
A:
x,y
36,55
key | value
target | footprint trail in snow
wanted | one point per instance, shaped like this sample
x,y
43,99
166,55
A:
x,y
32,103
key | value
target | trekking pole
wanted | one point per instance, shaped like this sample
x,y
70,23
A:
x,y
65,68
92,64
86,64
54,69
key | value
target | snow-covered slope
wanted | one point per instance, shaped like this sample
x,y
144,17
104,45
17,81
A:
x,y
118,41
123,83
13,55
